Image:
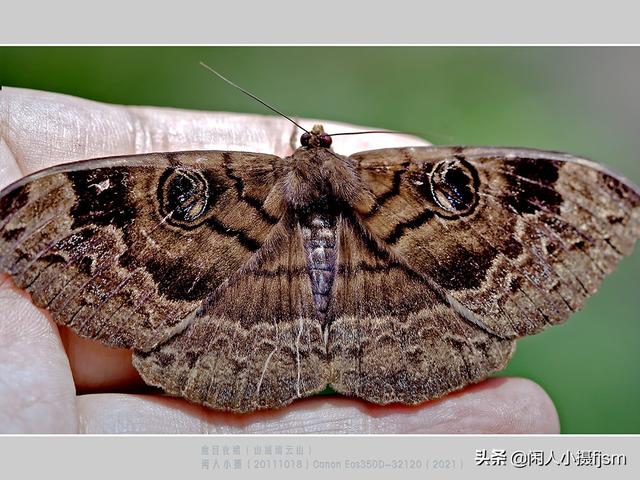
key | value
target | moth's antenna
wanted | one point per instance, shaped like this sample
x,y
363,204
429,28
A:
x,y
431,134
252,96
361,133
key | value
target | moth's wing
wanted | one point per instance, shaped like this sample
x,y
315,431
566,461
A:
x,y
256,343
395,337
125,249
516,239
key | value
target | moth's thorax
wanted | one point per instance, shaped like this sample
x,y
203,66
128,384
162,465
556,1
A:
x,y
315,174
311,177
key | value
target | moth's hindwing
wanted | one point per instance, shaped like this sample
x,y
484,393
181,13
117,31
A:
x,y
256,343
395,336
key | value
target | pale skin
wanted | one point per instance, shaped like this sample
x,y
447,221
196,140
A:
x,y
51,380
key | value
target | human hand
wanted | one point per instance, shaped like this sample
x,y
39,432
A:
x,y
51,380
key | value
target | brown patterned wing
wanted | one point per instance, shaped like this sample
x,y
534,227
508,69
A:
x,y
395,337
256,343
515,239
125,249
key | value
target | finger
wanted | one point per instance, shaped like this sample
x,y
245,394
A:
x,y
9,170
98,368
43,129
46,128
36,387
499,405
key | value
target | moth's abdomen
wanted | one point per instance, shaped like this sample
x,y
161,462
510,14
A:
x,y
319,237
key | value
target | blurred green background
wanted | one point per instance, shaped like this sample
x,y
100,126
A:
x,y
582,100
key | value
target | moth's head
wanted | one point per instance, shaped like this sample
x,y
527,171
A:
x,y
316,138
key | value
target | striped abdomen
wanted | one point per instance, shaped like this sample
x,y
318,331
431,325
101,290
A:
x,y
319,237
